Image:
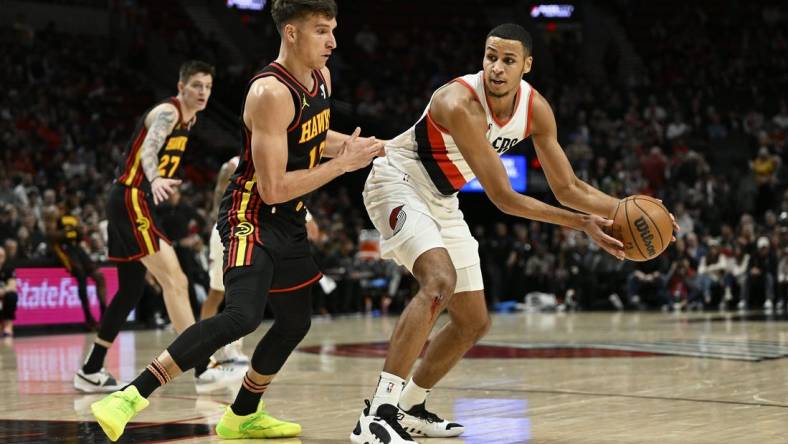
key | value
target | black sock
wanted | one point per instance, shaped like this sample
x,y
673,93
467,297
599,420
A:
x,y
96,359
153,377
201,367
248,397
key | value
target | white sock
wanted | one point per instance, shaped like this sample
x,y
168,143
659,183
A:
x,y
412,395
388,391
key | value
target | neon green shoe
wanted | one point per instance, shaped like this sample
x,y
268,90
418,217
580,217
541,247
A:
x,y
257,425
116,410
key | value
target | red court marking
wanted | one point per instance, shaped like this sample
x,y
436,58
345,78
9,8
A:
x,y
379,350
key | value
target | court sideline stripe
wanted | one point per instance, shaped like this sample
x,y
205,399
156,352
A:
x,y
562,392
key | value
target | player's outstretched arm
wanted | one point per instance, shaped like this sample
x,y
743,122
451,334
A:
x,y
160,123
464,117
567,187
269,146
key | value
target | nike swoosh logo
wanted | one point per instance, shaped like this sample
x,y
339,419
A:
x,y
88,380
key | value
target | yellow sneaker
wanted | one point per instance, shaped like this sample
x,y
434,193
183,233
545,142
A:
x,y
257,425
116,410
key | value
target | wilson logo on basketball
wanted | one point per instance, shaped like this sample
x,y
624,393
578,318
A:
x,y
646,235
397,219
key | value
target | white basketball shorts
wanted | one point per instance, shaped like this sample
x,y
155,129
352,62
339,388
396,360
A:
x,y
413,218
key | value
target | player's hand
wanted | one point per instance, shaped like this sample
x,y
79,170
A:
x,y
356,153
676,227
162,187
595,227
382,151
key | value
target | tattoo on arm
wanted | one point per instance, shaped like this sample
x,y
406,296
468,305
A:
x,y
157,134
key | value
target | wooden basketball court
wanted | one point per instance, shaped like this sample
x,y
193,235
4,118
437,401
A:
x,y
537,378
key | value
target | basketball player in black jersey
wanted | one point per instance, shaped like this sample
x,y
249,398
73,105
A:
x,y
146,177
285,125
65,235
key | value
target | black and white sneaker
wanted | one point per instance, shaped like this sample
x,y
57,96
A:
x,y
421,422
382,428
99,382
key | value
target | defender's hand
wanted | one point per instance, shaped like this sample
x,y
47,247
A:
x,y
356,153
594,227
162,187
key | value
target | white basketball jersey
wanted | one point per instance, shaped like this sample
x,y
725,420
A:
x,y
428,153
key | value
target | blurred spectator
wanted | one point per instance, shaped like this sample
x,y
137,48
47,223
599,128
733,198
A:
x,y
581,282
764,167
520,251
647,285
498,246
714,278
761,277
539,270
740,265
654,166
8,296
677,128
681,285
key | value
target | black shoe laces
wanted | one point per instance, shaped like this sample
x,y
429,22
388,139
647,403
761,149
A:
x,y
393,422
421,412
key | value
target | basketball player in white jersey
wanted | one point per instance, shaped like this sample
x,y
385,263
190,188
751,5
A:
x,y
411,197
230,353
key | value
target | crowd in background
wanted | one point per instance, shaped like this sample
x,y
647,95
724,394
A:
x,y
701,126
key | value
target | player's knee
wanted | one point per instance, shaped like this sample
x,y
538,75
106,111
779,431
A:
x,y
240,323
440,285
291,332
298,331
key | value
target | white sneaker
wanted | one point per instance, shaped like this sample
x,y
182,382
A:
x,y
100,382
616,301
381,428
767,305
239,358
217,377
231,354
421,422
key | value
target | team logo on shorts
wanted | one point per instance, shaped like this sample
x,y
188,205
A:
x,y
142,224
243,229
397,219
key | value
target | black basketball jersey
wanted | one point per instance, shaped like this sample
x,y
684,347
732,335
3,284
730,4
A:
x,y
243,213
69,226
171,152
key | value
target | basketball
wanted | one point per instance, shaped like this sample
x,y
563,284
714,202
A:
x,y
644,226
